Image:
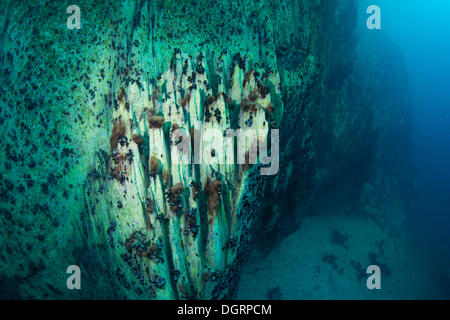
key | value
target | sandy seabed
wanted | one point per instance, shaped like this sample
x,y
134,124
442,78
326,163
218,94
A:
x,y
315,262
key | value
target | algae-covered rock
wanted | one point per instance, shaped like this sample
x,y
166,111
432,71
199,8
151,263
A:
x,y
91,118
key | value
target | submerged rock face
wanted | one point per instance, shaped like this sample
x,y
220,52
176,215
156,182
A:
x,y
91,173
179,227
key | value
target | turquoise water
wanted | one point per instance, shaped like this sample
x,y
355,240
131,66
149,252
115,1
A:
x,y
90,177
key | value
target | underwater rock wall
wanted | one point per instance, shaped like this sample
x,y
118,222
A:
x,y
359,140
88,174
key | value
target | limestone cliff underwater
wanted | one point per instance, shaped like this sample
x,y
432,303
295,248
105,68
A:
x,y
94,121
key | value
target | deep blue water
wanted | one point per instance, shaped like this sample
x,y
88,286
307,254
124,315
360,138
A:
x,y
421,30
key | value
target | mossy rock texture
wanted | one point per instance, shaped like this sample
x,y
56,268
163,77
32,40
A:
x,y
88,172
